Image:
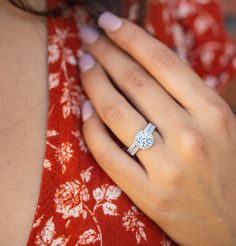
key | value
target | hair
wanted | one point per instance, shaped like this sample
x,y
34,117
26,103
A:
x,y
94,8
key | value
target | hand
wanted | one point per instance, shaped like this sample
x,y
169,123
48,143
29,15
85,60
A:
x,y
186,180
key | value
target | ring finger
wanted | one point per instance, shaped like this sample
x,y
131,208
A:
x,y
116,112
141,88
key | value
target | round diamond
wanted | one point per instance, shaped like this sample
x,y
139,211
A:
x,y
144,140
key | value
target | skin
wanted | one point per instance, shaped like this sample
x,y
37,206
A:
x,y
189,172
23,119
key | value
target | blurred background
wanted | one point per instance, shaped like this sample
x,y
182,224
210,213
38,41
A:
x,y
229,10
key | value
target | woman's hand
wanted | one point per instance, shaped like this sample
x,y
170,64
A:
x,y
186,181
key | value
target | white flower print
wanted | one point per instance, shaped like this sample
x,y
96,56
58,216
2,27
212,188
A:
x,y
82,144
53,53
109,208
203,23
86,175
38,221
69,56
57,47
99,193
131,223
47,165
52,133
185,9
72,94
48,231
46,235
88,237
61,35
104,196
64,154
113,192
69,199
53,79
60,241
207,58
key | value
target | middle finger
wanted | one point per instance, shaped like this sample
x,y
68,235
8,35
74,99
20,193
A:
x,y
116,112
139,86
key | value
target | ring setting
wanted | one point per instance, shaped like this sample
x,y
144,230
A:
x,y
143,139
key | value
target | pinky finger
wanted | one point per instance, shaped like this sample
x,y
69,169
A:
x,y
118,165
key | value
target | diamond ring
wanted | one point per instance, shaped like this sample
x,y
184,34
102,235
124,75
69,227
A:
x,y
143,139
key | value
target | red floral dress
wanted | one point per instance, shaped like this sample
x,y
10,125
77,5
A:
x,y
78,203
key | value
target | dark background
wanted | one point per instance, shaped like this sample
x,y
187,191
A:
x,y
229,11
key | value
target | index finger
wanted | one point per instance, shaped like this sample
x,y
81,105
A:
x,y
173,74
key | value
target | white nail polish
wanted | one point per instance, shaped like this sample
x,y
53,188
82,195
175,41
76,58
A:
x,y
87,110
86,61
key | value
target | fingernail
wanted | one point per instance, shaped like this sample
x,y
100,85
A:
x,y
88,34
87,110
86,61
109,21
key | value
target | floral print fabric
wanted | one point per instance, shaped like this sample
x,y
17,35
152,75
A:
x,y
78,203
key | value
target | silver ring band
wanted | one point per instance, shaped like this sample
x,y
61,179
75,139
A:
x,y
143,139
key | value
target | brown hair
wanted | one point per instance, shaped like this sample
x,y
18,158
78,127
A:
x,y
94,7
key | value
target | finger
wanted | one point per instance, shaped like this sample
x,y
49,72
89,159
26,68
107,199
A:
x,y
140,88
121,168
147,192
115,111
173,74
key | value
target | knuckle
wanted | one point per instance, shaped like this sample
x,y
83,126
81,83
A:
x,y
135,77
109,161
88,77
163,57
102,47
175,178
161,203
219,114
114,111
107,158
130,33
191,141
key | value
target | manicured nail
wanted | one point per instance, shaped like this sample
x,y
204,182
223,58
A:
x,y
86,61
109,21
88,34
87,110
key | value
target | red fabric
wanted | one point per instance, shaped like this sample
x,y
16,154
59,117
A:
x,y
78,203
